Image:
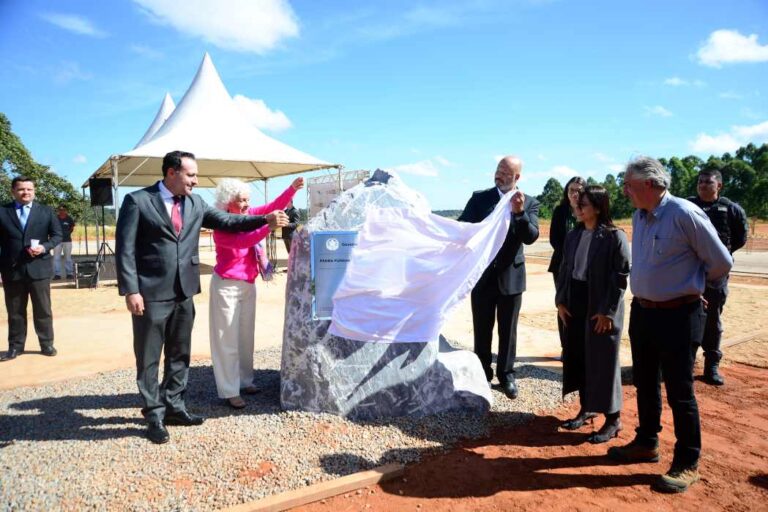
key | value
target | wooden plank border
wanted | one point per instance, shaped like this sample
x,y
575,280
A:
x,y
322,490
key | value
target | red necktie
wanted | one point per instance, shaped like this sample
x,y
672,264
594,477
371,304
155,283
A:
x,y
176,214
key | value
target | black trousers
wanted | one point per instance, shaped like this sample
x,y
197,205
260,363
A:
x,y
165,327
17,295
574,342
662,342
560,326
713,330
487,303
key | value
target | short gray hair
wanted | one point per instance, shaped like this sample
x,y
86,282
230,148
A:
x,y
227,190
647,168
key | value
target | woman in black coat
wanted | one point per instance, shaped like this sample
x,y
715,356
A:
x,y
590,303
563,220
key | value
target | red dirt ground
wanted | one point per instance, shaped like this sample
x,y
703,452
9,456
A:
x,y
535,467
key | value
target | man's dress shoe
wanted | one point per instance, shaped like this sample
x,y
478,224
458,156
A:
x,y
510,389
157,433
183,419
49,351
11,354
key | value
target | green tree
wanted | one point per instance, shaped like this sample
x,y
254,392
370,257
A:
x,y
50,188
684,175
550,197
621,207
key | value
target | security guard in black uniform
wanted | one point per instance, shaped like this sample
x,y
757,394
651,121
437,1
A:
x,y
730,221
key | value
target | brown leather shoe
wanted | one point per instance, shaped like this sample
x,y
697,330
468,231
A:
x,y
678,479
634,452
235,402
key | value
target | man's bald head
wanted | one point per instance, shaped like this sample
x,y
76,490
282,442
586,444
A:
x,y
508,172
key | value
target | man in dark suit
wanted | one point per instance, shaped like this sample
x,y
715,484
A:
x,y
499,291
158,272
28,232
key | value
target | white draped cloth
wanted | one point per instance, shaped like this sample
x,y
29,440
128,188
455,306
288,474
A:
x,y
409,269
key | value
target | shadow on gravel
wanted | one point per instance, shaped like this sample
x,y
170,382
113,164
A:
x,y
69,418
89,417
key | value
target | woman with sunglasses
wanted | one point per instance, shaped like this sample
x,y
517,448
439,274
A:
x,y
590,303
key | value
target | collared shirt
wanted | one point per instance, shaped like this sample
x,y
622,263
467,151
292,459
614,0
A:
x,y
19,206
675,251
168,196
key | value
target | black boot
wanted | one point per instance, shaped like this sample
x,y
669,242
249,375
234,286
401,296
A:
x,y
608,431
579,421
712,375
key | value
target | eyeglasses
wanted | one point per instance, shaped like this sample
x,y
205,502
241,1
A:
x,y
575,192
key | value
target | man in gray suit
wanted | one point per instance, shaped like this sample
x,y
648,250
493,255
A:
x,y
158,272
499,292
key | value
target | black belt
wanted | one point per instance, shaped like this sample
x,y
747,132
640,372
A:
x,y
668,304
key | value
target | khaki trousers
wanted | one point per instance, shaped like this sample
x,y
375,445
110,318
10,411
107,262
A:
x,y
232,324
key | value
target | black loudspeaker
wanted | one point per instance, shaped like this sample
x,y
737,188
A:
x,y
101,191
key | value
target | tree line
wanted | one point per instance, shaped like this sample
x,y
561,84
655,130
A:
x,y
745,181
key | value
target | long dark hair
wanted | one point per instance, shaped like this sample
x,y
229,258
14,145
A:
x,y
576,179
600,201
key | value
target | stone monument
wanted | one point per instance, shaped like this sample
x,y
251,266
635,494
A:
x,y
367,380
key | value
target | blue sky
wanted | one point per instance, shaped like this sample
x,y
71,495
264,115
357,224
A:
x,y
437,90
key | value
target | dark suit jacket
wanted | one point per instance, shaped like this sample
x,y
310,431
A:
x,y
42,224
150,257
508,268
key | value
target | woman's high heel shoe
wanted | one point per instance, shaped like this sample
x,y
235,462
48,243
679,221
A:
x,y
608,431
579,421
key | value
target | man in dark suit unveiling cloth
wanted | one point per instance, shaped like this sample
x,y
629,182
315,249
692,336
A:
x,y
28,232
499,291
158,272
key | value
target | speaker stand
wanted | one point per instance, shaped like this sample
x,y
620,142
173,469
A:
x,y
104,250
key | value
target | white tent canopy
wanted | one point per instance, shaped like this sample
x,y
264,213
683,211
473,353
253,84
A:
x,y
166,109
207,123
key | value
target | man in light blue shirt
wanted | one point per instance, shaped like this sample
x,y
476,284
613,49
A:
x,y
675,252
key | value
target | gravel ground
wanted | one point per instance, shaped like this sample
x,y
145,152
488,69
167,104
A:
x,y
79,445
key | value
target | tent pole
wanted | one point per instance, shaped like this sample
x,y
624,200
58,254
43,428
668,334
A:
x,y
115,186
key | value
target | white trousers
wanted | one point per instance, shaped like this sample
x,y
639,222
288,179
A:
x,y
66,248
232,310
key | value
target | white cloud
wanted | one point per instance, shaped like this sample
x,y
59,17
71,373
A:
x,y
70,71
430,167
146,51
242,25
602,157
616,168
79,159
754,133
730,95
728,47
657,110
73,23
563,170
729,142
676,81
260,115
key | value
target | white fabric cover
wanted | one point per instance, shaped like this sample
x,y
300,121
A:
x,y
409,269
